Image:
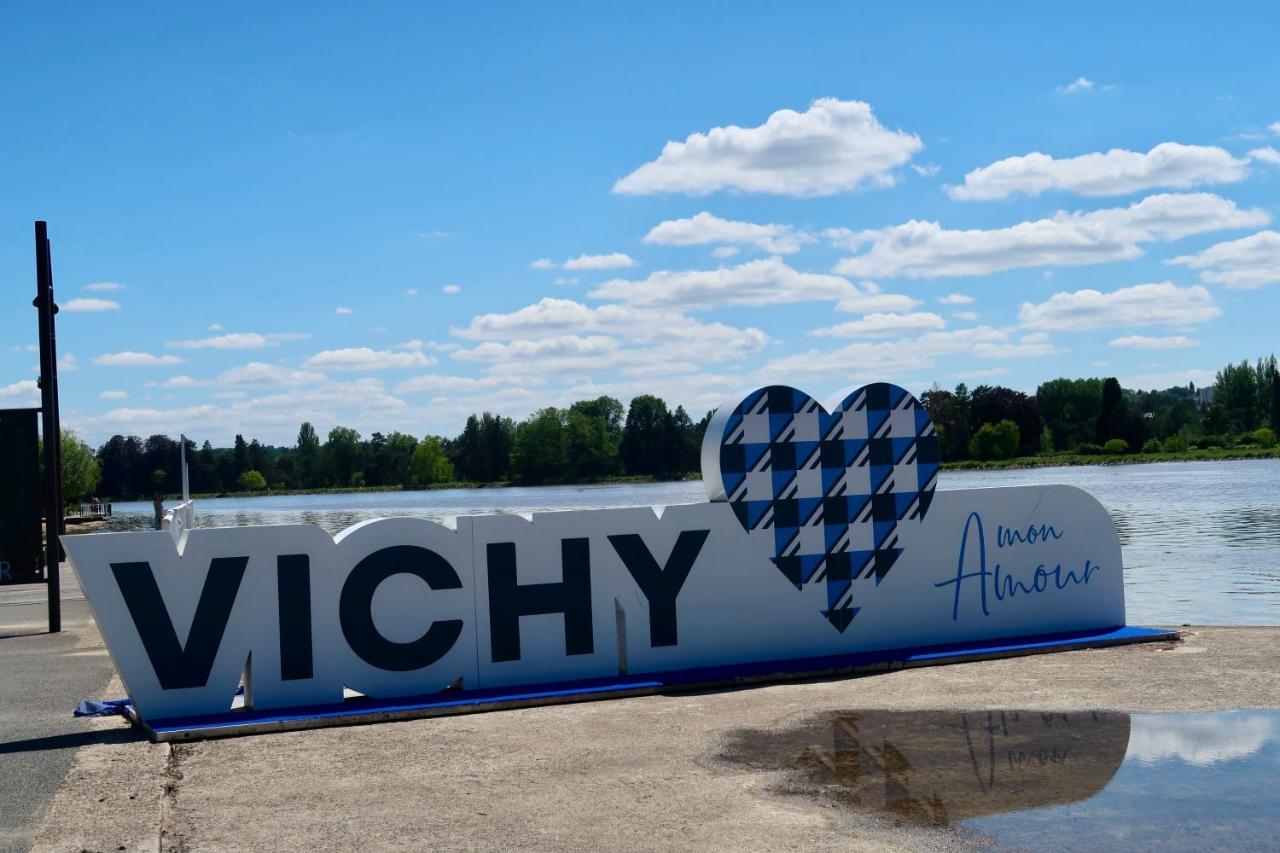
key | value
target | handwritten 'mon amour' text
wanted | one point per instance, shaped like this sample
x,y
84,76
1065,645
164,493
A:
x,y
1000,585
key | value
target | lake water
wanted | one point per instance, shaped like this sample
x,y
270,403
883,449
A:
x,y
1031,780
1201,540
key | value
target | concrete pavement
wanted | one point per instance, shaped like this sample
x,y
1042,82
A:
x,y
41,677
630,774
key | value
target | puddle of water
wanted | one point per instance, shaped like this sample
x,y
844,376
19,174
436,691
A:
x,y
1029,780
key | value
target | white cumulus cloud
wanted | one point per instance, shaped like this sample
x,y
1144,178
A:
x,y
260,374
89,305
239,340
364,358
864,361
869,298
834,146
705,228
129,358
1140,305
883,325
550,317
1148,342
611,261
1246,263
768,281
1266,155
919,249
24,389
1078,86
1115,172
104,286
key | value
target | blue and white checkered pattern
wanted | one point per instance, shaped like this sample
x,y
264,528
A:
x,y
823,494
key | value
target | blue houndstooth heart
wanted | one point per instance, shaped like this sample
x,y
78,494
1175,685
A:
x,y
823,493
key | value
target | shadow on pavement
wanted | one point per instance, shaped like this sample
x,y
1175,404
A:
x,y
71,740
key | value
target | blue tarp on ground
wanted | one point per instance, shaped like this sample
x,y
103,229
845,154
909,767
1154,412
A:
x,y
105,708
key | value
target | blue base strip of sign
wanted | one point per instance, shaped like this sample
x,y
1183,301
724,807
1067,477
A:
x,y
368,710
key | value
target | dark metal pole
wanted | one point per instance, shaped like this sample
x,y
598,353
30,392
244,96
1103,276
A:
x,y
46,309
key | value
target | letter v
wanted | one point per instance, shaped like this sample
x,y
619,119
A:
x,y
178,666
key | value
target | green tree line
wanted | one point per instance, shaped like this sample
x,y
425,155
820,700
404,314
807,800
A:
x,y
594,440
590,441
1097,415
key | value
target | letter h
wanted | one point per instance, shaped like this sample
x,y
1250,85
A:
x,y
508,600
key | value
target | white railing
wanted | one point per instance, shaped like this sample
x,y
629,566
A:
x,y
180,519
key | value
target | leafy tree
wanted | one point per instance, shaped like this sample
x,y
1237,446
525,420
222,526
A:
x,y
396,460
995,441
342,456
81,470
949,412
683,445
1273,395
591,448
429,464
161,453
539,453
204,471
645,436
120,458
1115,447
1111,399
241,455
1235,399
258,459
993,404
484,448
1264,436
606,408
1070,409
307,452
1046,441
251,481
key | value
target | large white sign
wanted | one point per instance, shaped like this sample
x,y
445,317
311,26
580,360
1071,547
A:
x,y
783,564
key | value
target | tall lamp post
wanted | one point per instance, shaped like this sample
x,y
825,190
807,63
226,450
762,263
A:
x,y
47,308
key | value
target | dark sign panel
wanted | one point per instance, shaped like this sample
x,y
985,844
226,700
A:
x,y
20,559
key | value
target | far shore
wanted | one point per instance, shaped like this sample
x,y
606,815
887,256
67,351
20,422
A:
x,y
1066,460
1059,460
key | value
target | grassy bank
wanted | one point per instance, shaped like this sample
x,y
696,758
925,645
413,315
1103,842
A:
x,y
1057,460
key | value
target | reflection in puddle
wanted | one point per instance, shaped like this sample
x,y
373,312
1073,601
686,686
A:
x,y
1033,780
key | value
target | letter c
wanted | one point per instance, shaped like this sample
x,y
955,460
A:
x,y
355,608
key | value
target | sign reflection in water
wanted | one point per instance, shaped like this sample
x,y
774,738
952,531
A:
x,y
939,767
1040,781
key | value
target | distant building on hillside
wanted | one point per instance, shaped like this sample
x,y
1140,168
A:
x,y
1204,394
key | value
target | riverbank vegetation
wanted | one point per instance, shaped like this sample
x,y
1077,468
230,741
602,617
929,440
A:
x,y
1066,422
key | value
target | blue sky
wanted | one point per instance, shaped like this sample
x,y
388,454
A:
x,y
338,214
